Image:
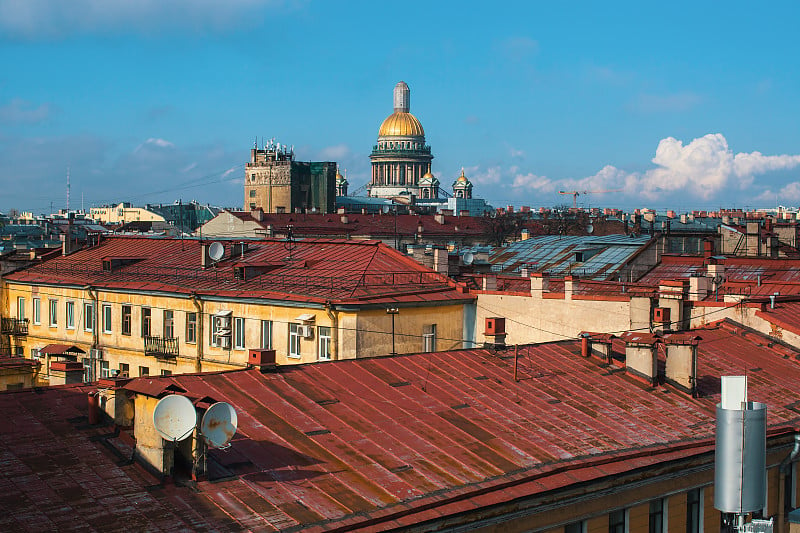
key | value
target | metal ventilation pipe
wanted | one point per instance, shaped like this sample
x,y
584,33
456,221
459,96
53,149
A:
x,y
783,471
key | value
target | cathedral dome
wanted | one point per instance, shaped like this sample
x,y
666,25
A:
x,y
401,124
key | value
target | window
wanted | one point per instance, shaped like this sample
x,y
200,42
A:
x,y
252,205
324,333
616,521
575,527
790,486
252,192
266,334
144,371
53,314
20,308
88,316
294,340
124,370
37,311
169,324
280,209
429,338
146,318
106,318
166,372
693,508
104,371
70,312
657,516
191,328
239,333
126,319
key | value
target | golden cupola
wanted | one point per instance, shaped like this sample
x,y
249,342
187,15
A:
x,y
401,123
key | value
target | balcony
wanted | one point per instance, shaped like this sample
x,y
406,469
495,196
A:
x,y
160,347
13,326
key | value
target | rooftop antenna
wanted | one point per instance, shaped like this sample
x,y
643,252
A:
x,y
67,188
174,417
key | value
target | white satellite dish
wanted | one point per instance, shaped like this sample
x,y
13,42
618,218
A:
x,y
219,424
468,258
589,229
174,417
216,251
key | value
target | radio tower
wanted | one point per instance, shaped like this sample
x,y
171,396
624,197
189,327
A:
x,y
67,190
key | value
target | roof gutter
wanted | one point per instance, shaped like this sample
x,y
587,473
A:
x,y
333,314
198,304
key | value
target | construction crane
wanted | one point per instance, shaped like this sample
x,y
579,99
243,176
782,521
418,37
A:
x,y
575,194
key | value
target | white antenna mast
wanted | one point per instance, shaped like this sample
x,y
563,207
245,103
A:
x,y
67,189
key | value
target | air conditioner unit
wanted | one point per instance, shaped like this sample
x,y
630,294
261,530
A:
x,y
305,331
94,353
225,342
222,332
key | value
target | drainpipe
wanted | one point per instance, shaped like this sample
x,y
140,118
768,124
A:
x,y
334,316
198,304
783,469
95,323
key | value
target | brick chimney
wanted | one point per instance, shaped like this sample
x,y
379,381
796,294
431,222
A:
x,y
641,356
540,284
570,286
681,368
489,282
441,261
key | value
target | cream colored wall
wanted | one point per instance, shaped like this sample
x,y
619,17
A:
x,y
531,319
15,376
374,335
150,446
227,225
362,334
112,215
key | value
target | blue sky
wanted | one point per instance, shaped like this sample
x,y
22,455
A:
x,y
682,105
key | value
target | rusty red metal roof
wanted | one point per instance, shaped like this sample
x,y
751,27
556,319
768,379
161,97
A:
x,y
309,270
61,349
370,444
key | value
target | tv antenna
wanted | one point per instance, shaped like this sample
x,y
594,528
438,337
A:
x,y
219,425
174,417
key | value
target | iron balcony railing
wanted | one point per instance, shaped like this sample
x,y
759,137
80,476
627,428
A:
x,y
13,326
161,347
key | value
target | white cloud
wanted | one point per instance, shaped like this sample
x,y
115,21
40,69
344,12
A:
x,y
704,169
516,153
533,182
154,143
21,111
54,18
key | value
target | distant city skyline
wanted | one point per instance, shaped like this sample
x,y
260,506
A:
x,y
686,106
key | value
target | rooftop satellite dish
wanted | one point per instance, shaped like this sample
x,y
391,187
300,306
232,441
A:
x,y
174,417
468,258
219,424
589,229
385,209
216,251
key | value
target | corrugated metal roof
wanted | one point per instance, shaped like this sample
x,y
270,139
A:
x,y
313,270
374,443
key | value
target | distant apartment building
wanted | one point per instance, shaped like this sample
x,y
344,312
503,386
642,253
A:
x,y
182,217
275,183
153,306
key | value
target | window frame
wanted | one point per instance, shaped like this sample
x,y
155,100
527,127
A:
x,y
429,338
295,350
239,333
106,321
694,511
324,340
37,311
146,326
659,515
20,307
620,523
169,324
126,320
69,314
266,334
146,371
191,327
88,316
52,313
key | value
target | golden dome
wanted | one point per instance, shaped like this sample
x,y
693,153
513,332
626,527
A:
x,y
462,177
400,124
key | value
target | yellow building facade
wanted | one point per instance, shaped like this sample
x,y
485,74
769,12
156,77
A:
x,y
201,320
